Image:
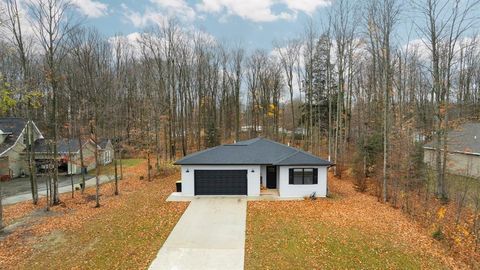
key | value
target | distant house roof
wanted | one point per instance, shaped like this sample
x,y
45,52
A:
x,y
64,146
255,151
11,127
103,143
465,139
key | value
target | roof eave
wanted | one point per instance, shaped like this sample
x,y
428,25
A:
x,y
306,164
224,164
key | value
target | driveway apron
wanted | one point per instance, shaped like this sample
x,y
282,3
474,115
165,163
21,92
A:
x,y
209,235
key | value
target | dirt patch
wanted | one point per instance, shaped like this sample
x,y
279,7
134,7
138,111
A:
x,y
49,241
22,224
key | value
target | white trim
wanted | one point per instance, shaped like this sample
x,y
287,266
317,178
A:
x,y
21,134
38,130
453,151
16,141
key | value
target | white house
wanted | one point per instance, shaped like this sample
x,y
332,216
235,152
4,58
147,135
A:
x,y
244,167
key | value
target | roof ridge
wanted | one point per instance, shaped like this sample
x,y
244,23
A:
x,y
287,156
187,157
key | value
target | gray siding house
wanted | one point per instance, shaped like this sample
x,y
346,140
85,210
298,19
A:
x,y
463,151
105,154
13,142
69,161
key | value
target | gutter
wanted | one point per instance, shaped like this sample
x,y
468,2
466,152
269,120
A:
x,y
453,151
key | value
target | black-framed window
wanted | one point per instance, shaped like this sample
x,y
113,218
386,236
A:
x,y
303,176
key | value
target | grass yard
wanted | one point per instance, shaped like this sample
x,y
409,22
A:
x,y
349,231
110,168
455,185
126,232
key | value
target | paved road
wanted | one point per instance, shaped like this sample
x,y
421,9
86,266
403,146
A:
x,y
209,235
18,190
21,185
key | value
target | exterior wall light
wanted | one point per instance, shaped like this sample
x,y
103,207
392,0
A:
x,y
187,171
253,170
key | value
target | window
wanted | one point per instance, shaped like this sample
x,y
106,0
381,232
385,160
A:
x,y
308,176
303,176
297,176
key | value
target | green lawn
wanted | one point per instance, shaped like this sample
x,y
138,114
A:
x,y
110,168
455,184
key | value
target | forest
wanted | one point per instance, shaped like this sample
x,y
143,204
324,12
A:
x,y
347,88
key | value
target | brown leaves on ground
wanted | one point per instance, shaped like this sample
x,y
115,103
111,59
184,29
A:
x,y
348,230
127,230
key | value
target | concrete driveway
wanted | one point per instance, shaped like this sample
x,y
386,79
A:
x,y
209,235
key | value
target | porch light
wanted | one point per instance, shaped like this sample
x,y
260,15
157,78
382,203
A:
x,y
253,170
187,171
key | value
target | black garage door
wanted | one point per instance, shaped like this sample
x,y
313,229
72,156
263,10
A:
x,y
220,182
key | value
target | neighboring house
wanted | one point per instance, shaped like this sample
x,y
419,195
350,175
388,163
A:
x,y
68,155
13,142
463,146
249,128
105,154
243,167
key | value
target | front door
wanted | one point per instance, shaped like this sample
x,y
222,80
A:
x,y
271,177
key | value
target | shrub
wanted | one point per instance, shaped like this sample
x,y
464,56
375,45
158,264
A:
x,y
438,235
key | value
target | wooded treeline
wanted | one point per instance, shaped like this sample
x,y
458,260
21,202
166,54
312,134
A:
x,y
346,88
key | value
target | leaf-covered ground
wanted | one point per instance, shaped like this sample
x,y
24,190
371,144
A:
x,y
350,230
126,232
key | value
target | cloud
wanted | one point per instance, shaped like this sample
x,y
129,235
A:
x,y
26,25
141,20
306,6
178,8
91,8
159,12
261,11
253,10
130,43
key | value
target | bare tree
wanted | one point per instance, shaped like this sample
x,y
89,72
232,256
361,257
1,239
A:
x,y
381,21
343,30
445,23
50,20
23,49
289,55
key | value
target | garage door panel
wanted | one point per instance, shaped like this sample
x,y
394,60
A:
x,y
220,182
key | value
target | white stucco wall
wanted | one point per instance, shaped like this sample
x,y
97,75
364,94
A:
x,y
287,190
253,178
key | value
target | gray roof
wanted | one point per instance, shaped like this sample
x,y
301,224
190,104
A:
x,y
255,151
103,143
63,146
13,126
465,139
